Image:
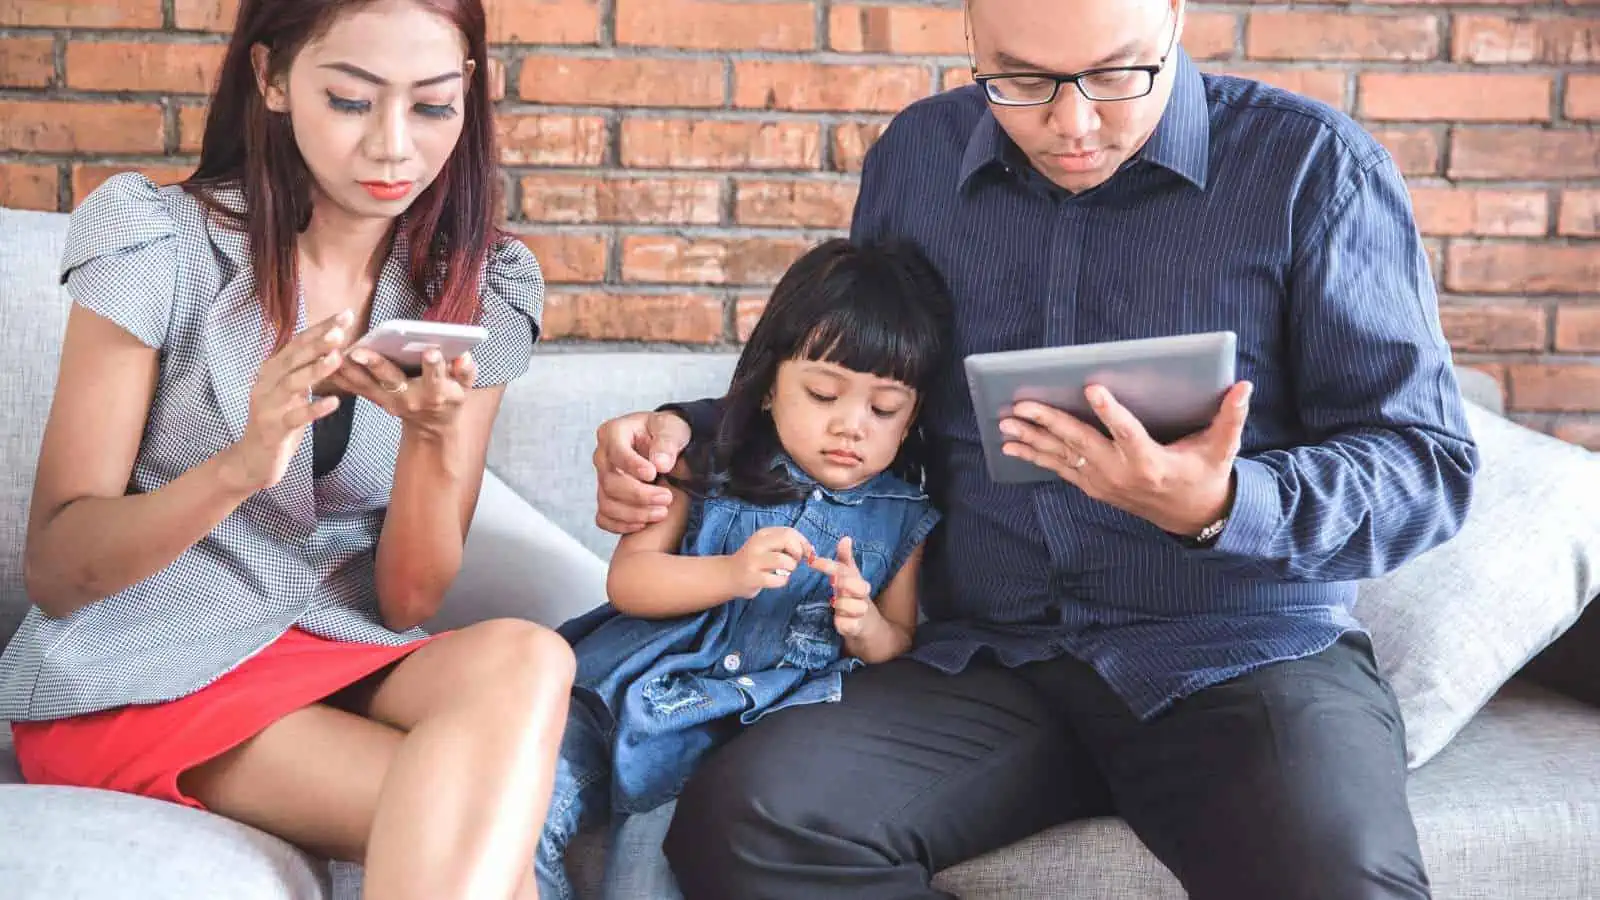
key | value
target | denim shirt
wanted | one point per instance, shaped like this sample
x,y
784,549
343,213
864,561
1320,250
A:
x,y
670,687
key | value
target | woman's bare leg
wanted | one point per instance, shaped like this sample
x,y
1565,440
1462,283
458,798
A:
x,y
442,792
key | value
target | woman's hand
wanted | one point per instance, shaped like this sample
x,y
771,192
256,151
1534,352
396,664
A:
x,y
281,404
430,402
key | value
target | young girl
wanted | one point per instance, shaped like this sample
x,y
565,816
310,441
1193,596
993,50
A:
x,y
790,555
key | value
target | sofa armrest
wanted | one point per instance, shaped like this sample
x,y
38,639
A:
x,y
519,564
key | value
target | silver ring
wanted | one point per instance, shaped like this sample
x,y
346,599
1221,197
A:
x,y
400,388
1081,462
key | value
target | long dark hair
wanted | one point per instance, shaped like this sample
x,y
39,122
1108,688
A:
x,y
450,227
879,308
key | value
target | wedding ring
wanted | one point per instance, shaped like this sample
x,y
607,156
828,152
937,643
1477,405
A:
x,y
396,388
1081,462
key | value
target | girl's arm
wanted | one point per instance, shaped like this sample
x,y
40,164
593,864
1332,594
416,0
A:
x,y
650,580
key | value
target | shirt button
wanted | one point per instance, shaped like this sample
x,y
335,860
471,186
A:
x,y
816,493
746,680
731,662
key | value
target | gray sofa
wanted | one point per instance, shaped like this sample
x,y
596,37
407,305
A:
x,y
1510,808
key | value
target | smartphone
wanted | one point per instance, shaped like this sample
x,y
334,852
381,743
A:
x,y
404,341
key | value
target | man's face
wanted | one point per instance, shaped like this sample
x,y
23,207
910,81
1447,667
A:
x,y
1075,142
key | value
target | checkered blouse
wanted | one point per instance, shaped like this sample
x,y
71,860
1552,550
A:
x,y
300,553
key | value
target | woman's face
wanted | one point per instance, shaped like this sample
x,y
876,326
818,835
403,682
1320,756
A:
x,y
376,104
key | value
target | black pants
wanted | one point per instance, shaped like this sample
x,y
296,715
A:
x,y
1287,783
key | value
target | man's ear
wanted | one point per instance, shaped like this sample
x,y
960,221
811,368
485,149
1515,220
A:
x,y
273,94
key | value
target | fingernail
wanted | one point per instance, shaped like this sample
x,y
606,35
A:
x,y
662,461
432,356
1009,429
1244,396
335,336
345,317
360,356
657,514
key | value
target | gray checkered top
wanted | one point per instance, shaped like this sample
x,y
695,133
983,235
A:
x,y
300,553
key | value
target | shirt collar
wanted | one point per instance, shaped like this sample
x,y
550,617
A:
x,y
1181,141
884,485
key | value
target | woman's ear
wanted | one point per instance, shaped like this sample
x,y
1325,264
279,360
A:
x,y
273,94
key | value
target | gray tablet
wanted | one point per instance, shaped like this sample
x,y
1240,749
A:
x,y
1173,385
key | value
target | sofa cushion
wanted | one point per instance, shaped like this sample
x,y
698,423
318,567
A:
x,y
33,316
544,437
1451,626
60,843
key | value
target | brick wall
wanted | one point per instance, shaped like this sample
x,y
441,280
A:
x,y
667,158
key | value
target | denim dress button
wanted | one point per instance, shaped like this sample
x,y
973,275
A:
x,y
816,493
746,680
731,662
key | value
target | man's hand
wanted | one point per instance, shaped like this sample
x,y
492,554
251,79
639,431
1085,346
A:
x,y
1180,487
630,452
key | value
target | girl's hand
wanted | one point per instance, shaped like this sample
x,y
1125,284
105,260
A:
x,y
430,401
767,560
854,613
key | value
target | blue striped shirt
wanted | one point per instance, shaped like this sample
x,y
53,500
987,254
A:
x,y
1250,209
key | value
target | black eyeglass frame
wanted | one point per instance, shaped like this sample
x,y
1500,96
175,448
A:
x,y
1075,79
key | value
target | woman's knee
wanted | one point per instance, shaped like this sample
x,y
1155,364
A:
x,y
515,661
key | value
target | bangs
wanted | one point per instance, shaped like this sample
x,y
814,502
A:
x,y
866,339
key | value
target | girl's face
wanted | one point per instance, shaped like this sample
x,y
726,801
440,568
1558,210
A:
x,y
841,426
376,105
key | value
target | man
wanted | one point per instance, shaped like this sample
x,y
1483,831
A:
x,y
1165,633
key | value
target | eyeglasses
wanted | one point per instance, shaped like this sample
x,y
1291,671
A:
x,y
1109,83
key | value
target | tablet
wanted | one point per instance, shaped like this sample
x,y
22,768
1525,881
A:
x,y
1173,385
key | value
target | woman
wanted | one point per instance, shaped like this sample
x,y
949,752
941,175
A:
x,y
239,520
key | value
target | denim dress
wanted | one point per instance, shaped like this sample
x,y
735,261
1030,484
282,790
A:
x,y
653,696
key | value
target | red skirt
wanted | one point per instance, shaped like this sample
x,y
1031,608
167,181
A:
x,y
143,749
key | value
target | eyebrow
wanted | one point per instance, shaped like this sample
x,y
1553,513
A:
x,y
1008,61
364,75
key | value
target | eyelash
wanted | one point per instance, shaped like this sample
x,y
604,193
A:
x,y
880,413
357,107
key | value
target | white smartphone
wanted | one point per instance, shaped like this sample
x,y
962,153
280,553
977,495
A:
x,y
404,341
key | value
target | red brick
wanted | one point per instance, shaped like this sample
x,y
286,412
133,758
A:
x,y
654,201
1327,85
1456,96
665,258
191,128
709,25
1494,328
85,178
672,318
1558,40
851,140
625,81
816,87
918,30
1415,151
798,204
1583,97
205,15
164,68
746,313
567,256
959,76
552,140
1580,213
543,21
1522,268
28,187
1563,388
1524,154
27,62
1453,212
1583,432
1210,35
80,14
46,126
1578,329
1341,35
717,144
